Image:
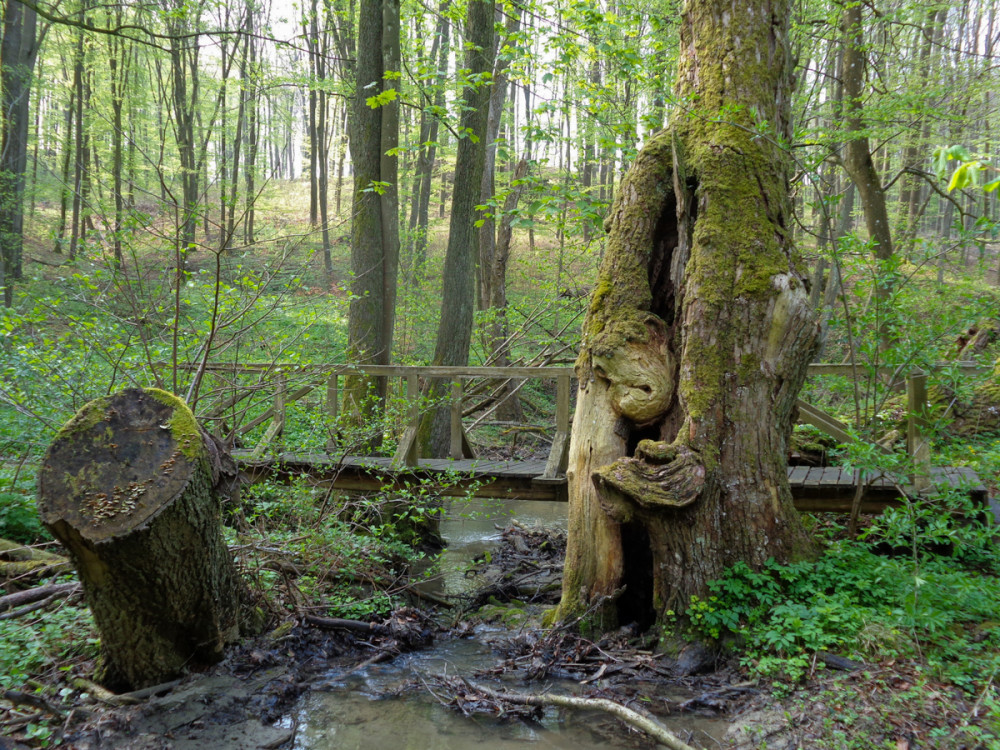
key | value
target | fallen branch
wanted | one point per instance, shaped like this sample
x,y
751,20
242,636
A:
x,y
19,560
30,596
354,626
634,719
28,699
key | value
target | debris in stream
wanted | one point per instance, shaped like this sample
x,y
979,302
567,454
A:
x,y
526,566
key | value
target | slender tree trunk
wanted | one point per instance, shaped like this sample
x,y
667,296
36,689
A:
x,y
253,140
454,336
18,52
76,230
425,166
375,227
858,159
498,101
65,192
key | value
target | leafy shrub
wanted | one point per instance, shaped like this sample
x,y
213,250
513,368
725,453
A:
x,y
856,602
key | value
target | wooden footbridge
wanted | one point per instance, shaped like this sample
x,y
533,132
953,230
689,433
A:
x,y
235,400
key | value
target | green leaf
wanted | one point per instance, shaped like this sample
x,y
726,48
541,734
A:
x,y
389,95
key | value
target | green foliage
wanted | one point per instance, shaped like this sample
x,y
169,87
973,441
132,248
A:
x,y
969,172
30,647
858,603
19,520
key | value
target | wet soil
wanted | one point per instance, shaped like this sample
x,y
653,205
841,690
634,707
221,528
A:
x,y
255,698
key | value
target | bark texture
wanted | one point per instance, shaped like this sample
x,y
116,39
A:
x,y
131,487
454,335
18,51
696,340
375,226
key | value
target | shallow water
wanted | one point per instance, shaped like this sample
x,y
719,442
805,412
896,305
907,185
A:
x,y
349,714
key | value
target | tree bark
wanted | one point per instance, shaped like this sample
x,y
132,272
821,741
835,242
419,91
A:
x,y
696,341
133,489
17,55
454,336
375,227
858,160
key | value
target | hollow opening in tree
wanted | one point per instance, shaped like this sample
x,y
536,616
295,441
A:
x,y
635,605
661,285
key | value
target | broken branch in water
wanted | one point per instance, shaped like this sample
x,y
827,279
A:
x,y
633,718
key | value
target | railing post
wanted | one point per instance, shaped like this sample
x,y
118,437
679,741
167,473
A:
x,y
332,409
277,426
562,403
559,453
917,445
280,404
456,420
406,451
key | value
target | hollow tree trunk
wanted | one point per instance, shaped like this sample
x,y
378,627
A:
x,y
131,487
696,341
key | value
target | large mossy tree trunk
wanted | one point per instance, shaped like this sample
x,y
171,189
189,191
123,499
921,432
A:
x,y
132,488
696,340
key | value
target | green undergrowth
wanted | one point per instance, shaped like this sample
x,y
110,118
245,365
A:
x,y
340,555
917,584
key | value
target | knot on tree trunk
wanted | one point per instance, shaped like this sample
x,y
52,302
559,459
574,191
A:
x,y
660,475
639,371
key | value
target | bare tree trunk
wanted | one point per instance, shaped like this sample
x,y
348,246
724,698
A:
x,y
425,165
375,226
18,51
454,336
859,163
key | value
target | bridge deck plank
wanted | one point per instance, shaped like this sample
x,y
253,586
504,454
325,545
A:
x,y
815,489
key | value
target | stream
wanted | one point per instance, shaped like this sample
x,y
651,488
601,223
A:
x,y
349,714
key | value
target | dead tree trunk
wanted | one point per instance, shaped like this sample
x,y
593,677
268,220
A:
x,y
131,487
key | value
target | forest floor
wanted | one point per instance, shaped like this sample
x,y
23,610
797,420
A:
x,y
247,700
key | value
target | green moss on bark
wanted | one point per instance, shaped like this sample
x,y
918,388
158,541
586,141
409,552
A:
x,y
183,426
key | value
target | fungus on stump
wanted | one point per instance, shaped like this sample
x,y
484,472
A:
x,y
696,341
131,487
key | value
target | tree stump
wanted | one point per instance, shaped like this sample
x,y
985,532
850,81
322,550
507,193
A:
x,y
131,487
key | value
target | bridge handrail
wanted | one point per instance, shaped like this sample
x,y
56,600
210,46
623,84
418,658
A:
x,y
915,379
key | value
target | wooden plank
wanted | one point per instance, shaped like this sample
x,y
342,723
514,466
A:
x,y
814,489
797,474
406,451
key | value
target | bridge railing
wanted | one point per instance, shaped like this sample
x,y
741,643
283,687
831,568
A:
x,y
284,384
914,380
290,383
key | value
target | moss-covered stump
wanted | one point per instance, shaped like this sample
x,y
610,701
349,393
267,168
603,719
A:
x,y
132,488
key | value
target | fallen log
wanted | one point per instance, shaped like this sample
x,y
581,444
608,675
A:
x,y
133,489
19,563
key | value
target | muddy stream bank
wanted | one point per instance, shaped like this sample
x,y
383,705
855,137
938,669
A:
x,y
308,692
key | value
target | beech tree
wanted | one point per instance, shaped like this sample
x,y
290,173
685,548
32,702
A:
x,y
375,226
696,340
454,335
17,58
